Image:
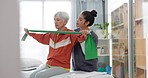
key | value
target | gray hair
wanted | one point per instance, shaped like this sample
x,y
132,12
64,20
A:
x,y
62,15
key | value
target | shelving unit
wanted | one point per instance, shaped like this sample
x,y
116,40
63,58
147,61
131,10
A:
x,y
120,57
120,47
140,41
140,53
103,53
119,41
120,21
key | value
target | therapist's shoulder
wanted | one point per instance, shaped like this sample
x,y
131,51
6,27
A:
x,y
77,30
94,34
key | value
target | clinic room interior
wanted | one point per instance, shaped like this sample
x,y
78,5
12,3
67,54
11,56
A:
x,y
117,29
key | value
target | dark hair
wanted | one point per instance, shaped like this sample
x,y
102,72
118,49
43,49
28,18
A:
x,y
89,16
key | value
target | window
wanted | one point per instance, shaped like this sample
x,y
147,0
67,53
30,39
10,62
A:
x,y
39,15
51,7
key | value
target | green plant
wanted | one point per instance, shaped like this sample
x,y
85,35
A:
x,y
104,28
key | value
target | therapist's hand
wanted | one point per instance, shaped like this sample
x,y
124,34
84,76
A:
x,y
85,32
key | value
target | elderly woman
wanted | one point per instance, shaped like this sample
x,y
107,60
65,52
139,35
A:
x,y
60,48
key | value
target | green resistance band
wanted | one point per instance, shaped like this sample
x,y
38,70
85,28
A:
x,y
45,31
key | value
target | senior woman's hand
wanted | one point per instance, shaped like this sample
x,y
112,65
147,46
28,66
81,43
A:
x,y
26,30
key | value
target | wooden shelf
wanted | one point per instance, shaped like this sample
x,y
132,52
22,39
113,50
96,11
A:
x,y
118,26
103,55
138,19
140,42
141,53
141,67
115,43
104,39
140,73
121,61
120,40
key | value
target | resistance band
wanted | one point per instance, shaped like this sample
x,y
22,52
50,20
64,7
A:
x,y
56,32
90,47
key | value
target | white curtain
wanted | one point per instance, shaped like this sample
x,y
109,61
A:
x,y
82,5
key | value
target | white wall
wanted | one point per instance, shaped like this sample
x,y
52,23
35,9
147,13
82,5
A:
x,y
9,39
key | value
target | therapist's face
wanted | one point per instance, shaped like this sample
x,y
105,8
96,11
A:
x,y
81,22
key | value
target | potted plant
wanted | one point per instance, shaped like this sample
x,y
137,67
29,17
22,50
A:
x,y
104,28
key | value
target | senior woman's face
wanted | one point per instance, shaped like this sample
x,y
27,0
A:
x,y
59,23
